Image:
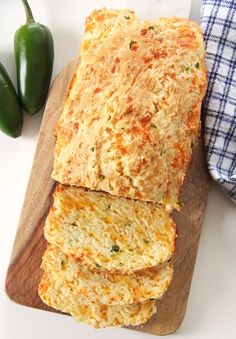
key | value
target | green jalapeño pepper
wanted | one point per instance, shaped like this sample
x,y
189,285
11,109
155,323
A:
x,y
11,115
34,54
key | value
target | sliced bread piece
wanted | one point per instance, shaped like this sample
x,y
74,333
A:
x,y
114,233
61,296
105,287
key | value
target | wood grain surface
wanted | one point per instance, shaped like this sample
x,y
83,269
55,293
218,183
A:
x,y
24,270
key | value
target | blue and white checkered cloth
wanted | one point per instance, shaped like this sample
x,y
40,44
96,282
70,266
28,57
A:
x,y
218,20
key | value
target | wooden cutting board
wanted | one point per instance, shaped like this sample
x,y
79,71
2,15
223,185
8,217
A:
x,y
24,270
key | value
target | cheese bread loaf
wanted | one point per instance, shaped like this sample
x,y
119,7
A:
x,y
123,144
116,234
132,113
104,287
61,296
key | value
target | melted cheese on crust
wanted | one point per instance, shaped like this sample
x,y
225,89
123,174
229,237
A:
x,y
61,296
133,108
115,233
104,287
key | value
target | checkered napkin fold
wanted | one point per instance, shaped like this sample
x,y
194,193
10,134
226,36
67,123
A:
x,y
218,20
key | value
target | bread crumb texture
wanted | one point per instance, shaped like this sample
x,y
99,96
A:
x,y
60,296
118,234
104,287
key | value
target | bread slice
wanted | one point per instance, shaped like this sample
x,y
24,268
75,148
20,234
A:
x,y
104,287
132,112
116,234
61,296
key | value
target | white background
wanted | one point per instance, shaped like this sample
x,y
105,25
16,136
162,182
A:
x,y
211,311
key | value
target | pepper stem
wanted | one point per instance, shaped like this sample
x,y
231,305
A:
x,y
28,12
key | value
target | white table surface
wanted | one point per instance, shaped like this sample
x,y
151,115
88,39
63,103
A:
x,y
211,311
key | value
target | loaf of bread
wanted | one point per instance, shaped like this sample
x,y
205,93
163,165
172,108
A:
x,y
123,144
133,108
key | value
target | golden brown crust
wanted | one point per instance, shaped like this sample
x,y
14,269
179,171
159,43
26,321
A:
x,y
133,109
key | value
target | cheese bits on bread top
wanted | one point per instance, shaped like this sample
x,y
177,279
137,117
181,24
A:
x,y
133,108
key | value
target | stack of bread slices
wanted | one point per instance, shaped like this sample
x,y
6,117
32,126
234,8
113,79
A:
x,y
123,144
